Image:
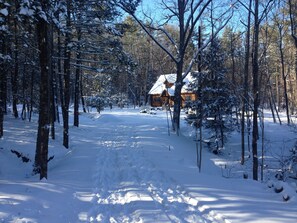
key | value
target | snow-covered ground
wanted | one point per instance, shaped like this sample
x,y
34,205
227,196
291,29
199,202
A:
x,y
122,166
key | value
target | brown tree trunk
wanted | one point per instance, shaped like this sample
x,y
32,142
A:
x,y
245,84
14,75
52,114
77,81
284,77
41,155
2,88
177,99
293,14
2,85
59,76
67,55
81,95
31,94
255,92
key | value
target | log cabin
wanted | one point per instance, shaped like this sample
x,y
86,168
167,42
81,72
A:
x,y
162,92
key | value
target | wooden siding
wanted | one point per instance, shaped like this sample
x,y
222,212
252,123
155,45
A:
x,y
164,98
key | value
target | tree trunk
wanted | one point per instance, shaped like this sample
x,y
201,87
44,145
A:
x,y
177,100
59,76
2,77
31,95
82,97
284,77
292,14
2,85
245,84
77,81
41,155
255,92
52,104
14,75
67,55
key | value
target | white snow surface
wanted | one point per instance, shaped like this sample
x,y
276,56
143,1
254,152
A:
x,y
122,166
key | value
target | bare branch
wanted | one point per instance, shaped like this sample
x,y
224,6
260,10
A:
x,y
154,39
246,7
199,50
266,10
166,34
194,21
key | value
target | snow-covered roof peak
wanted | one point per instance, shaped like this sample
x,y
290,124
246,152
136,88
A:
x,y
160,85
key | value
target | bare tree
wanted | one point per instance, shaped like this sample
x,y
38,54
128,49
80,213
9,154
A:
x,y
281,33
245,101
256,87
293,22
186,15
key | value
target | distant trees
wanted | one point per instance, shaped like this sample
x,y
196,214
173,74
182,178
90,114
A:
x,y
187,15
49,49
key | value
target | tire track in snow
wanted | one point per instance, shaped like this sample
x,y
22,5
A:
x,y
129,188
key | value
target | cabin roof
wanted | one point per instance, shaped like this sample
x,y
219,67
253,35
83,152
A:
x,y
160,86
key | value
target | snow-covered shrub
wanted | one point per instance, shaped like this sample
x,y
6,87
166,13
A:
x,y
97,102
287,164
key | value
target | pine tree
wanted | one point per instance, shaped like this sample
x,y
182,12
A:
x,y
215,95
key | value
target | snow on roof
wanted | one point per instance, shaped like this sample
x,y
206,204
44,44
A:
x,y
160,86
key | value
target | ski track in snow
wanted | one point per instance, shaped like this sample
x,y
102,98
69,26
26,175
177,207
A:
x,y
128,184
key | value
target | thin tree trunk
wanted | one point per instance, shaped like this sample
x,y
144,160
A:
x,y
274,106
2,76
292,14
272,110
245,84
284,82
52,90
2,84
24,97
255,134
31,95
77,80
14,76
82,96
59,76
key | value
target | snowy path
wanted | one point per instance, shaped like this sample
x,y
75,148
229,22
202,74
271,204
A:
x,y
124,168
130,188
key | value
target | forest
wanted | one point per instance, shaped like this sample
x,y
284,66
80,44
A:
x,y
57,55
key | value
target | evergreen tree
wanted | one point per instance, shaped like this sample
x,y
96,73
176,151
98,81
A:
x,y
215,96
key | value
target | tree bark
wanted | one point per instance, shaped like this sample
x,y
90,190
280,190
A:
x,y
41,155
14,75
245,100
293,15
284,77
2,85
77,80
255,134
67,55
52,103
177,102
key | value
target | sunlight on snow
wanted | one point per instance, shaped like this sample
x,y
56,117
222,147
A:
x,y
126,198
13,199
84,196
